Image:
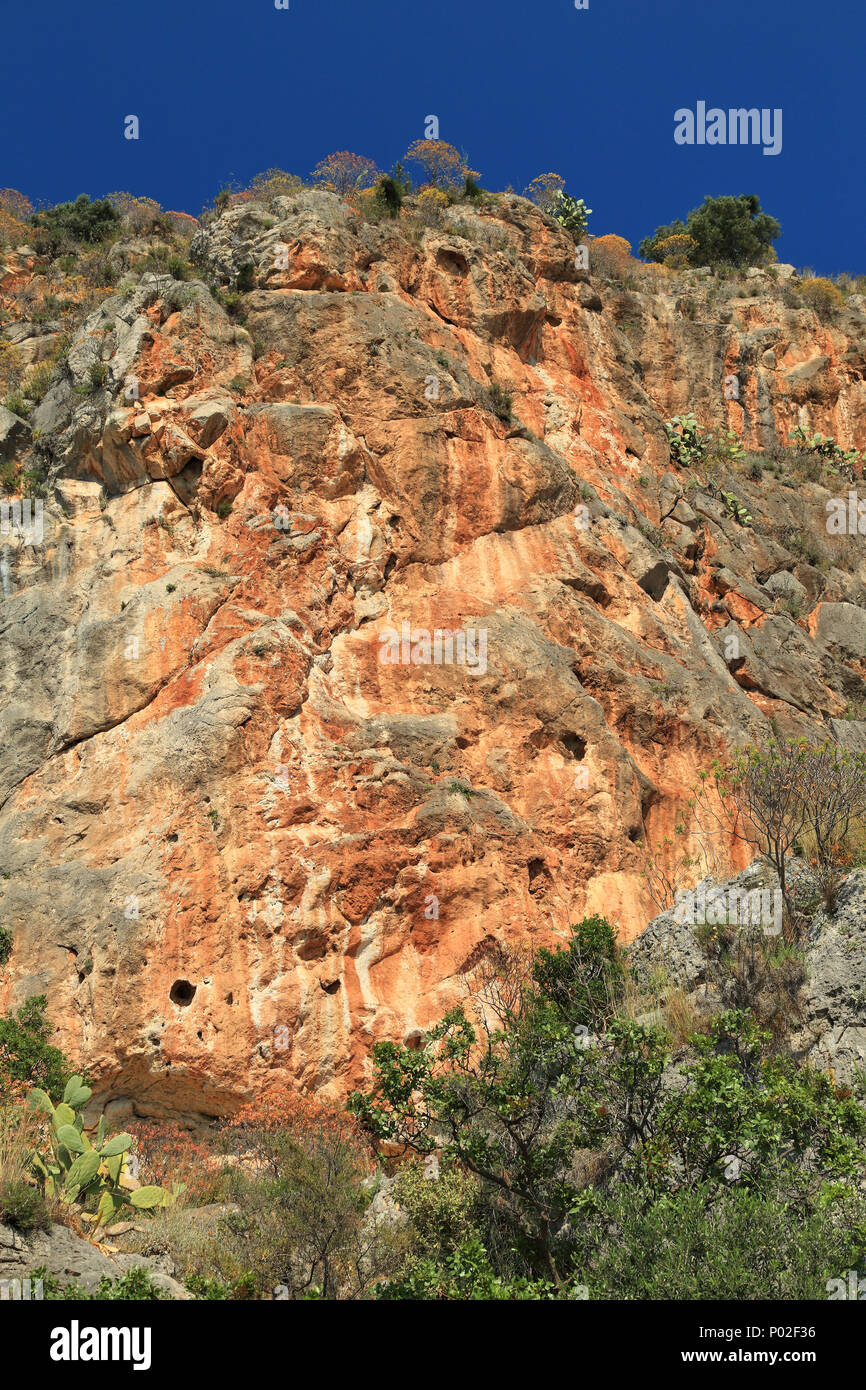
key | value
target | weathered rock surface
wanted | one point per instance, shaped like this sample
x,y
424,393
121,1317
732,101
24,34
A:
x,y
237,846
66,1257
830,1026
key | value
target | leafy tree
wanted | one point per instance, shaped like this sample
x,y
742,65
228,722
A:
x,y
28,1055
513,1094
725,230
561,1112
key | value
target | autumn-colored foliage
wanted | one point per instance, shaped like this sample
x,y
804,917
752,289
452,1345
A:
x,y
544,189
430,205
140,214
444,166
167,1154
285,1111
345,172
821,295
676,251
15,213
269,185
609,254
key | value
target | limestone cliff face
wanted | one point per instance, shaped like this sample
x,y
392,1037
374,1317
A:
x,y
238,845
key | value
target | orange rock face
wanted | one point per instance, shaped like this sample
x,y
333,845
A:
x,y
331,668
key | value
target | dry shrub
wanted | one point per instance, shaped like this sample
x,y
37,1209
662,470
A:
x,y
821,295
610,255
167,1154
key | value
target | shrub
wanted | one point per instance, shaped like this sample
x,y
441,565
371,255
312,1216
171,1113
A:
x,y
246,278
544,190
390,195
98,375
444,166
29,1057
500,401
675,251
821,295
430,205
303,1197
725,231
272,184
168,1154
344,173
23,1206
78,222
6,938
142,215
609,255
15,213
712,1243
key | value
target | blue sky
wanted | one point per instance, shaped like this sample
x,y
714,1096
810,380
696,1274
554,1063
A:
x,y
225,88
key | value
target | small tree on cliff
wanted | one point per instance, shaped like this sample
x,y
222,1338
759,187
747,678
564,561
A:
x,y
344,173
443,164
514,1092
773,797
725,231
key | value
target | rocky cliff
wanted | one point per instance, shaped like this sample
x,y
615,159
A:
x,y
250,823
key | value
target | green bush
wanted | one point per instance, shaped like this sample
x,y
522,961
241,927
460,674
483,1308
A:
x,y
6,943
23,1207
500,400
725,231
725,1243
81,221
29,1055
246,278
136,1285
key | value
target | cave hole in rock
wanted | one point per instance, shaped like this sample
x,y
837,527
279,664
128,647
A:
x,y
182,993
575,745
535,868
330,986
655,581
